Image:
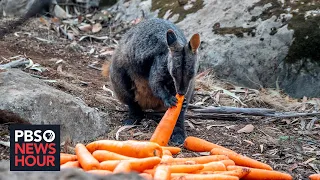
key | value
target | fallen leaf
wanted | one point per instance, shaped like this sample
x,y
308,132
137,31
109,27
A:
x,y
122,129
85,27
190,124
204,153
96,27
247,129
249,142
261,148
309,160
233,127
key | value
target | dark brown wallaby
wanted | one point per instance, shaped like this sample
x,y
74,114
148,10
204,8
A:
x,y
152,63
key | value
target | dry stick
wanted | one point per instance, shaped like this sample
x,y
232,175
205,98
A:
x,y
231,110
15,64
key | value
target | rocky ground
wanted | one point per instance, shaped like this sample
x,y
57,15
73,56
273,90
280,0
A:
x,y
288,144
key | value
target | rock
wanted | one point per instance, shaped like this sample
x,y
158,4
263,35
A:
x,y
64,174
38,103
259,43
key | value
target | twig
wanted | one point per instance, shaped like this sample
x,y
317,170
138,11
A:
x,y
93,67
231,110
7,144
291,114
15,64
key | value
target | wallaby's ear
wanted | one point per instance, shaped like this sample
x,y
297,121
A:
x,y
171,38
194,42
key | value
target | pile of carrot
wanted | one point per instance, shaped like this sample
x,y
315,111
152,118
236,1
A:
x,y
154,159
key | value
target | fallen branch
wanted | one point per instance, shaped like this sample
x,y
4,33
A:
x,y
15,64
235,110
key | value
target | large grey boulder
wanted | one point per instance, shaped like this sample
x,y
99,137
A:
x,y
253,43
35,101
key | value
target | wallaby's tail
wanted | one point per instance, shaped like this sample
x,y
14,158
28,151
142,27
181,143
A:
x,y
106,69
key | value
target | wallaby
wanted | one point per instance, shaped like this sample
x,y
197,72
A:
x,y
152,63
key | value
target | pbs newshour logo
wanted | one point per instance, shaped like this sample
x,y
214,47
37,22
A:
x,y
35,147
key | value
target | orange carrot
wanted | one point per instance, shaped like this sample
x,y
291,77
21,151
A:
x,y
122,167
314,177
178,163
129,148
173,150
241,172
240,159
104,155
109,165
166,152
67,157
162,173
201,159
214,166
85,158
228,162
164,129
146,176
200,145
262,174
99,172
70,164
185,168
138,165
202,177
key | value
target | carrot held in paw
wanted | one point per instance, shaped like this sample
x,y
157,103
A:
x,y
122,167
173,150
202,177
165,127
240,159
67,157
162,173
200,145
314,177
129,148
104,155
85,158
70,164
262,174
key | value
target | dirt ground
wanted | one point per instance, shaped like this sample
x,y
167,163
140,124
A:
x,y
284,144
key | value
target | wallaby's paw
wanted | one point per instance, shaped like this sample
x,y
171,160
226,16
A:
x,y
170,101
178,136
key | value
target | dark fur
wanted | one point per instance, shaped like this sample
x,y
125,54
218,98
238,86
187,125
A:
x,y
153,62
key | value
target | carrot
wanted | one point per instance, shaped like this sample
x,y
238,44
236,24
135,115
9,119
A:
x,y
240,159
67,157
109,165
85,158
99,172
146,176
203,177
241,172
178,163
228,162
201,159
104,155
164,129
173,150
185,168
162,173
136,164
70,164
262,174
200,145
129,148
166,152
122,167
314,177
214,166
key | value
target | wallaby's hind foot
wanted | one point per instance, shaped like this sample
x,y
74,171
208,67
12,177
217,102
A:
x,y
178,136
135,115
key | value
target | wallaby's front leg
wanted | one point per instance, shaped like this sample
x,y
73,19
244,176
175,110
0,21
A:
x,y
179,134
156,81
